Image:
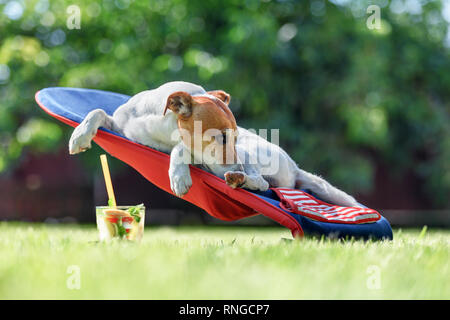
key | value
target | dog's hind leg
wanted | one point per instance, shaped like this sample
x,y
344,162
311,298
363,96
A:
x,y
84,133
323,189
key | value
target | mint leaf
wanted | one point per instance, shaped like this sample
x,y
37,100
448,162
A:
x,y
110,203
121,229
134,211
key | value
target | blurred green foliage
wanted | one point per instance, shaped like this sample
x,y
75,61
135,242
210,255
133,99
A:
x,y
346,98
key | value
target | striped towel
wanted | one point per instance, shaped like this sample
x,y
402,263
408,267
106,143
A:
x,y
300,202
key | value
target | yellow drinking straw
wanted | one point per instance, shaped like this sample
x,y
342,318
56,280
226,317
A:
x,y
109,187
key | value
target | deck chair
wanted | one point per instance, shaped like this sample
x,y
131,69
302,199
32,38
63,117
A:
x,y
299,210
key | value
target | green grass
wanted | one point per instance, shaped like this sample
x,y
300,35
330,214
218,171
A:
x,y
219,263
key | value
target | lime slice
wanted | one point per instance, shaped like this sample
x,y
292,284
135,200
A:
x,y
134,230
111,227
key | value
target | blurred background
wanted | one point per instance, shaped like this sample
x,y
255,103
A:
x,y
365,103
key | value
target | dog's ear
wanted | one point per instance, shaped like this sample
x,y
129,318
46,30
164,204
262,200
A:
x,y
180,103
221,95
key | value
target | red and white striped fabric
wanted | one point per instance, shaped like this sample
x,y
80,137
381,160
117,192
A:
x,y
300,202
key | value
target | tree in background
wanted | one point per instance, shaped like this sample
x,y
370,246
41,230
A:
x,y
345,97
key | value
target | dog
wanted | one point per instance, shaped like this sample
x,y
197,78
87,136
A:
x,y
168,117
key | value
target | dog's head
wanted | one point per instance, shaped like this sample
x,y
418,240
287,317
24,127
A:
x,y
207,126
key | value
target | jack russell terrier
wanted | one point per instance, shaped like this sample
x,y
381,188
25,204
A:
x,y
166,119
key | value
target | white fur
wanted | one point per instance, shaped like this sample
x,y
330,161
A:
x,y
141,119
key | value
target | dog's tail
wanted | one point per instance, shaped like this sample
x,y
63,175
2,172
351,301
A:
x,y
323,189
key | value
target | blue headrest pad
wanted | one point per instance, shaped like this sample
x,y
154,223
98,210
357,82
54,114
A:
x,y
75,104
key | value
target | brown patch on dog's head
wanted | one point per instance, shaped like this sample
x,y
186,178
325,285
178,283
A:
x,y
218,124
180,103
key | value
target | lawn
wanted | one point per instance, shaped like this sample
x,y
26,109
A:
x,y
44,261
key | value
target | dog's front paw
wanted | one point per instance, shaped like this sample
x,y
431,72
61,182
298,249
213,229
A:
x,y
80,140
235,179
180,184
